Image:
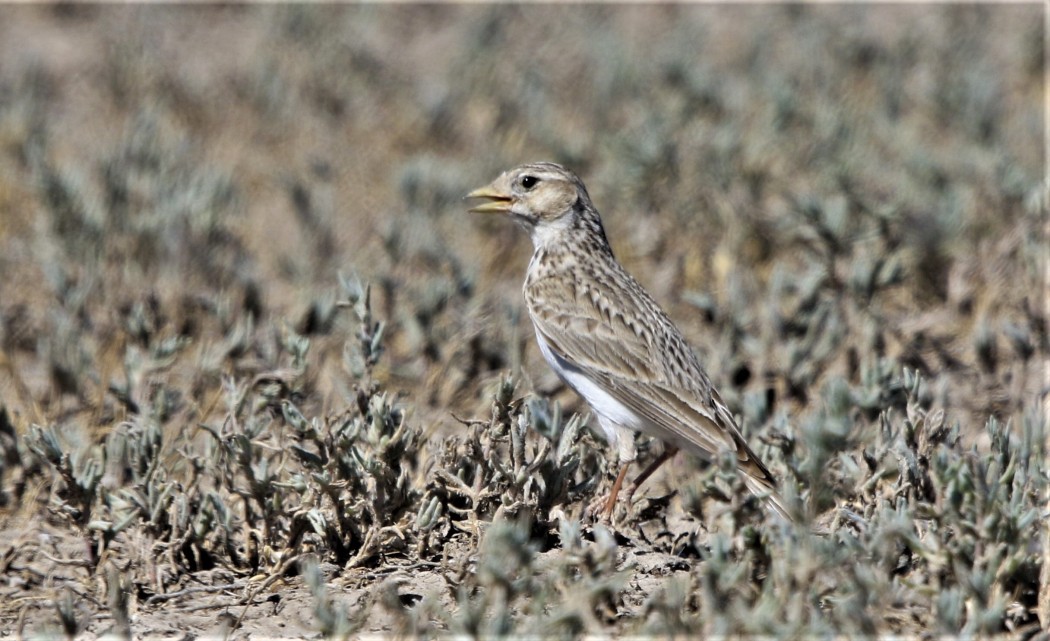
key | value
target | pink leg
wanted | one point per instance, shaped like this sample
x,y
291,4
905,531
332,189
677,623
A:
x,y
611,503
647,472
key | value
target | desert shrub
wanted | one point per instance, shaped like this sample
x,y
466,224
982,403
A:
x,y
840,206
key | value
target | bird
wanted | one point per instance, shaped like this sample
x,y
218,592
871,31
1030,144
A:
x,y
608,339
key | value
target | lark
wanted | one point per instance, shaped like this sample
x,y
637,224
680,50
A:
x,y
608,339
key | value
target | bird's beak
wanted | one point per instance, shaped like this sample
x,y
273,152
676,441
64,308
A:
x,y
498,202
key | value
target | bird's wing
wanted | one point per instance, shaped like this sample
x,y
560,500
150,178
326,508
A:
x,y
650,370
681,418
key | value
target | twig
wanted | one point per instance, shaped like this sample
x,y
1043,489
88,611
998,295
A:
x,y
468,422
247,601
160,598
77,562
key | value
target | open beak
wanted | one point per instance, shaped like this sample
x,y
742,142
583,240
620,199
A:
x,y
498,202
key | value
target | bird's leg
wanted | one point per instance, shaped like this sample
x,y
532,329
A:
x,y
610,504
668,452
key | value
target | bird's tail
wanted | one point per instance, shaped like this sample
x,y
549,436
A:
x,y
762,488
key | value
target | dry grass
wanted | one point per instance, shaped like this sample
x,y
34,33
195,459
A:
x,y
261,374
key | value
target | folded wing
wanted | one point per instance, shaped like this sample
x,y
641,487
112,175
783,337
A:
x,y
649,368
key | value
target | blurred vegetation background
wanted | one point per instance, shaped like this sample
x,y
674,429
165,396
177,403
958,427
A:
x,y
244,317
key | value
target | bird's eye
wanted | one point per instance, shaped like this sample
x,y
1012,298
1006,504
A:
x,y
528,182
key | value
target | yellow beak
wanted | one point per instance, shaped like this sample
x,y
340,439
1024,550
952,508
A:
x,y
499,203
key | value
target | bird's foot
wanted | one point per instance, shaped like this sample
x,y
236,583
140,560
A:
x,y
597,509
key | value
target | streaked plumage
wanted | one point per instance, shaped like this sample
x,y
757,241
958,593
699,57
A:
x,y
604,334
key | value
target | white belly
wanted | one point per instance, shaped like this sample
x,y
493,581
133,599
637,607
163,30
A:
x,y
616,420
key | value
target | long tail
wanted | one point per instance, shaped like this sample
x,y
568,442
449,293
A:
x,y
763,488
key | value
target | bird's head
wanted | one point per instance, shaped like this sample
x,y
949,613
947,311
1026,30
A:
x,y
543,197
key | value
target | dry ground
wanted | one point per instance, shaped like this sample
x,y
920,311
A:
x,y
208,428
